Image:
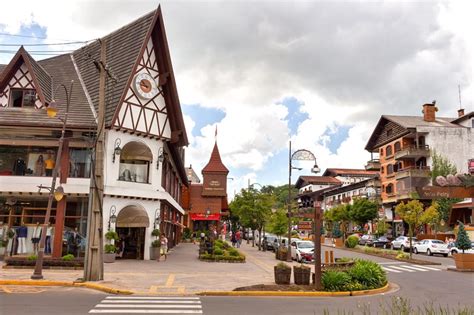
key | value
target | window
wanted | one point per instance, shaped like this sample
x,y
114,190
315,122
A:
x,y
472,121
22,98
382,168
389,189
381,151
389,132
389,169
397,146
388,150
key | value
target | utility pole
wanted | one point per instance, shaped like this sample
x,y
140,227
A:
x,y
93,264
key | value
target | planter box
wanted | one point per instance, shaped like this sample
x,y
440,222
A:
x,y
154,253
338,242
282,276
301,275
464,261
109,258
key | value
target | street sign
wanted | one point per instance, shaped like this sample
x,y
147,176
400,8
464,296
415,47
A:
x,y
304,215
305,225
436,192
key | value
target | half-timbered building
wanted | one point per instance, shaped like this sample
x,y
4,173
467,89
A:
x,y
144,133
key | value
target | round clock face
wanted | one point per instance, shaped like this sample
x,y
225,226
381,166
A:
x,y
145,86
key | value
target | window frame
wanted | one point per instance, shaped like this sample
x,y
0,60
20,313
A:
x,y
10,99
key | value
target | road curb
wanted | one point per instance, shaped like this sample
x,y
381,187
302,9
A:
x,y
290,293
50,283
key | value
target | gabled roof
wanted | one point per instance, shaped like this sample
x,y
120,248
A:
x,y
215,163
348,172
317,180
459,119
41,79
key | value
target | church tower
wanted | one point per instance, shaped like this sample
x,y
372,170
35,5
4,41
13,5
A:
x,y
215,176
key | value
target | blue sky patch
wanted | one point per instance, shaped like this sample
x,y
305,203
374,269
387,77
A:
x,y
295,116
337,137
202,116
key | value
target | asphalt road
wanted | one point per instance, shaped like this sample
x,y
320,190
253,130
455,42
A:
x,y
421,285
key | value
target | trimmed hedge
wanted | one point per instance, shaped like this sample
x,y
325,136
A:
x,y
50,262
352,241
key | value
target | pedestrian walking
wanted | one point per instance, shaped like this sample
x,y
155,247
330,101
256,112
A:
x,y
233,239
238,237
163,246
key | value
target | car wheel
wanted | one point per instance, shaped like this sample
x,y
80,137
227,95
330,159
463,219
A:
x,y
453,252
428,252
402,248
445,255
415,250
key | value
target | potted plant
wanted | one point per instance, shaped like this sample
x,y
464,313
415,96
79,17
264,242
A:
x,y
301,274
155,245
282,273
463,261
337,235
109,248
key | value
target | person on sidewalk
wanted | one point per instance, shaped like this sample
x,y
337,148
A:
x,y
163,246
238,237
233,239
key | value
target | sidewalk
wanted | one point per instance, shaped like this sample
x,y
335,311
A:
x,y
182,273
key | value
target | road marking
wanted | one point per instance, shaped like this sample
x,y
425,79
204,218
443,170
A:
x,y
148,306
415,268
402,269
170,280
152,301
391,270
147,311
391,263
151,298
430,268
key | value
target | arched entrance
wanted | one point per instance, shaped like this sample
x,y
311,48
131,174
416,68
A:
x,y
132,222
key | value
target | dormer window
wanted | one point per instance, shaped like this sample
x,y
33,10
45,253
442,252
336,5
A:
x,y
22,98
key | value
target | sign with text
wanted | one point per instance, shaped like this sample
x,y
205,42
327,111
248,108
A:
x,y
436,192
305,225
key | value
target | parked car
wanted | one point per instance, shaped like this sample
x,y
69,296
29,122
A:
x,y
403,243
299,247
366,239
382,242
431,247
272,242
454,250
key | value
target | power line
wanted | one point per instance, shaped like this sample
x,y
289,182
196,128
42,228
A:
x,y
36,37
44,44
39,52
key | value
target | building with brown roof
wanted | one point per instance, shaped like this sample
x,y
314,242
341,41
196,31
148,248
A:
x,y
208,201
144,133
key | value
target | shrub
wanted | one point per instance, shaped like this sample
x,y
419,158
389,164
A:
x,y
218,251
368,273
282,265
352,241
335,280
353,286
155,243
402,255
155,233
186,233
233,252
344,259
68,257
111,235
32,257
109,249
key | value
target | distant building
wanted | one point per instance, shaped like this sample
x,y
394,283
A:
x,y
192,176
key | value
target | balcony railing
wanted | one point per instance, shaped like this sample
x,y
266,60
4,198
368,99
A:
x,y
413,171
373,165
413,152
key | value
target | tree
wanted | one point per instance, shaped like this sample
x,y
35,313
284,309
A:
x,y
382,227
339,215
431,216
362,211
441,166
411,213
279,222
463,242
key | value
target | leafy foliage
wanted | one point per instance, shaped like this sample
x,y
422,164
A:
x,y
282,265
186,233
412,213
382,227
278,223
109,248
111,235
155,233
32,257
463,242
362,211
68,257
336,231
156,243
431,215
368,273
352,241
441,166
335,280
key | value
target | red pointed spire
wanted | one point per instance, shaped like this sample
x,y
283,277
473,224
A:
x,y
215,163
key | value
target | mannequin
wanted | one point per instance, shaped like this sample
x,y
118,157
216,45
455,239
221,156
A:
x,y
49,232
19,167
73,242
49,165
39,167
35,238
22,234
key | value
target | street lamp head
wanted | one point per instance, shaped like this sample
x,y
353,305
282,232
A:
x,y
52,109
59,193
315,169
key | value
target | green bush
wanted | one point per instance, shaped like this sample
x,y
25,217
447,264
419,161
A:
x,y
109,248
335,280
368,273
111,235
32,257
352,241
282,265
186,233
218,251
155,233
68,257
402,255
233,252
344,259
353,286
156,243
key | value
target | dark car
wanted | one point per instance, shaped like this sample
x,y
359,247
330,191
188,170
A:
x,y
367,239
382,242
272,242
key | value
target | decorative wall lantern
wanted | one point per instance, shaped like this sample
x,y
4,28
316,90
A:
x,y
117,149
112,216
59,193
157,220
161,157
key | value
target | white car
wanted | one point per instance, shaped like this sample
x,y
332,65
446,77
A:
x,y
431,247
299,248
454,250
403,243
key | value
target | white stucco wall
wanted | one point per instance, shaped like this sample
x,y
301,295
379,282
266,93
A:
x,y
455,144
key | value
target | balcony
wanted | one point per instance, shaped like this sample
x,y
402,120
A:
x,y
373,165
413,171
413,152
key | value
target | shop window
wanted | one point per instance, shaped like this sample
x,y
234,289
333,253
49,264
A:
x,y
79,163
389,189
22,98
388,150
27,161
135,161
389,169
397,146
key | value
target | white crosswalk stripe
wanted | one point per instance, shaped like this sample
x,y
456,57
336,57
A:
x,y
408,268
148,305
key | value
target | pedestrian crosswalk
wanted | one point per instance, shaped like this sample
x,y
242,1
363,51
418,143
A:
x,y
408,268
148,305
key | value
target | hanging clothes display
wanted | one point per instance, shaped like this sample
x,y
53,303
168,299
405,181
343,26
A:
x,y
22,234
49,232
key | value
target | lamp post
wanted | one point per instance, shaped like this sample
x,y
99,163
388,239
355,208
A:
x,y
300,155
56,193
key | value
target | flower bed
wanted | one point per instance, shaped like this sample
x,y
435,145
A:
x,y
28,262
222,252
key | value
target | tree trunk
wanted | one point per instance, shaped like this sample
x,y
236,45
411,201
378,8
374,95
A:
x,y
410,232
253,238
259,243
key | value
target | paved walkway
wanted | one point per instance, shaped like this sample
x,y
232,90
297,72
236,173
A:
x,y
182,273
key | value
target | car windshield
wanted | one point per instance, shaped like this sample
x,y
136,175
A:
x,y
305,245
437,242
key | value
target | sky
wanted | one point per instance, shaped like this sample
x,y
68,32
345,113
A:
x,y
318,73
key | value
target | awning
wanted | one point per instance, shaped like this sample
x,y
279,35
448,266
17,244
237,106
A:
x,y
202,216
133,216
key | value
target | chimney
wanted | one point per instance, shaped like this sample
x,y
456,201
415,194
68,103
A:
x,y
460,112
429,112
